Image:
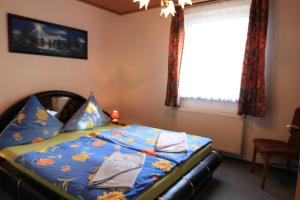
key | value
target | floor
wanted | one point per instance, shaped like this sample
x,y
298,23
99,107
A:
x,y
233,181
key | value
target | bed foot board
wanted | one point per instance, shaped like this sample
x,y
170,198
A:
x,y
21,187
190,183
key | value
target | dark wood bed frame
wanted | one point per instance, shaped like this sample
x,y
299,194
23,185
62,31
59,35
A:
x,y
21,186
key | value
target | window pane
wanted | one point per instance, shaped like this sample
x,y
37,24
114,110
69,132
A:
x,y
215,37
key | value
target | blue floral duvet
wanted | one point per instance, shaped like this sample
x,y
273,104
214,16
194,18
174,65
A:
x,y
143,139
70,165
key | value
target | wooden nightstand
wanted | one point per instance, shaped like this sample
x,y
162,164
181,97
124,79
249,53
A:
x,y
119,123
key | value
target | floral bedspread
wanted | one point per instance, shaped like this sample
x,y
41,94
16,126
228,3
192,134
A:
x,y
143,139
70,165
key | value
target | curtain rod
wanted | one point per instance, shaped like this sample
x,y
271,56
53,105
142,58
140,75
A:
x,y
201,3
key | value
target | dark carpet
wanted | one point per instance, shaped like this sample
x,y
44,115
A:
x,y
233,181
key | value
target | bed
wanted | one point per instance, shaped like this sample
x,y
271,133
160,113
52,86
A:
x,y
183,181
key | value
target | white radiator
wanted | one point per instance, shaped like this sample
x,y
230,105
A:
x,y
226,130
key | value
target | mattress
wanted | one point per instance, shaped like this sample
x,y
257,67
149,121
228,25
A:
x,y
11,153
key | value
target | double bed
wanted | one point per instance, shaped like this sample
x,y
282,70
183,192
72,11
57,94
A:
x,y
185,175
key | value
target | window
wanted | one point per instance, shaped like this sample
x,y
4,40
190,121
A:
x,y
213,53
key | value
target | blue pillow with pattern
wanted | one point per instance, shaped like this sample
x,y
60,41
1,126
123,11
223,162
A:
x,y
32,124
90,115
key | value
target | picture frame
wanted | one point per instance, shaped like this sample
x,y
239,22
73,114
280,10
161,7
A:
x,y
32,36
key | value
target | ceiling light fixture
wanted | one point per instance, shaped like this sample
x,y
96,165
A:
x,y
167,6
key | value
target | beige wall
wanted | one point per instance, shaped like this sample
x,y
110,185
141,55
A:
x,y
22,74
144,74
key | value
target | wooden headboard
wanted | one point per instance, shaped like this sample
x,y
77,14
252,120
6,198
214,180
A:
x,y
64,102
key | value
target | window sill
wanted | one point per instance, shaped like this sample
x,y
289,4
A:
x,y
207,106
206,112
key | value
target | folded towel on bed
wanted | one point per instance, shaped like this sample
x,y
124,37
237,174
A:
x,y
118,171
172,142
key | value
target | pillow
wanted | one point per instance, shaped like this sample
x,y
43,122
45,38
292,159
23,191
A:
x,y
32,124
90,115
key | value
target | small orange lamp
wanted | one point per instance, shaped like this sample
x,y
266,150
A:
x,y
115,116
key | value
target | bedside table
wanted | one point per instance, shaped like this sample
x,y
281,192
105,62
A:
x,y
119,123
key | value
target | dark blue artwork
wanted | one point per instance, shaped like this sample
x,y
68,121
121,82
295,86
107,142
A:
x,y
38,37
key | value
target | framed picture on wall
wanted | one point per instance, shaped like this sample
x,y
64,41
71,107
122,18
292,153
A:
x,y
31,36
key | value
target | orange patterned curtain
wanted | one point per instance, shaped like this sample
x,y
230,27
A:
x,y
175,54
252,99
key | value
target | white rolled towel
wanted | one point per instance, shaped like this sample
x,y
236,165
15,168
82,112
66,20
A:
x,y
118,171
175,142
